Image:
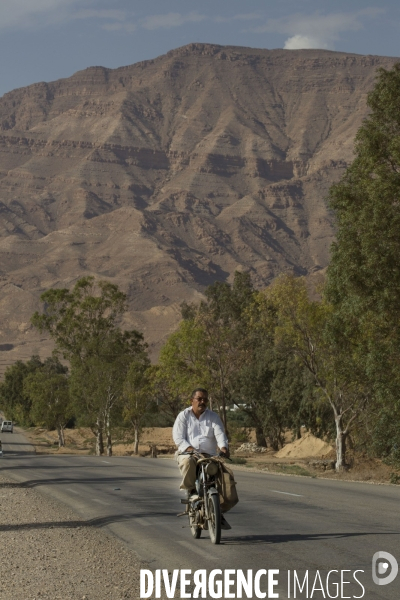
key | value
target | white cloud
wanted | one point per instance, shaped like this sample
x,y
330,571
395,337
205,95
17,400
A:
x,y
246,17
114,15
239,17
297,42
127,26
318,30
19,14
27,13
301,31
170,20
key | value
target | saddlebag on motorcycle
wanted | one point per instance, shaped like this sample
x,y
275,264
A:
x,y
226,485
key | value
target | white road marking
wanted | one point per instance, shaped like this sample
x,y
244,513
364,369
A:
x,y
202,553
287,493
73,491
106,461
100,501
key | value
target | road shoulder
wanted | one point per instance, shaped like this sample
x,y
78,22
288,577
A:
x,y
52,553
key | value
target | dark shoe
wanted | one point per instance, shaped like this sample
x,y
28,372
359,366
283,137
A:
x,y
224,523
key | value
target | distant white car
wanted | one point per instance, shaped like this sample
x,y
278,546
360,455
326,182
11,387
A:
x,y
6,426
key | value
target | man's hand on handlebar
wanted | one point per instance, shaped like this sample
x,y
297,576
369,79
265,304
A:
x,y
192,451
225,452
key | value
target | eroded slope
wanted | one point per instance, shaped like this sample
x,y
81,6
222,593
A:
x,y
168,174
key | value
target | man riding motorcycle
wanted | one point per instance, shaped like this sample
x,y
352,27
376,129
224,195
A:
x,y
198,429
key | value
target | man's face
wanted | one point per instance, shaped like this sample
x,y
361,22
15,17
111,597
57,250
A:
x,y
199,402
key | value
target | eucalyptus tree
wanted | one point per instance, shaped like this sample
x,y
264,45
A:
x,y
137,396
271,386
223,322
304,328
14,400
84,323
48,390
364,274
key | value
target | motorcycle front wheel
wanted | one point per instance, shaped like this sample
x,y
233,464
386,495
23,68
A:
x,y
196,531
214,522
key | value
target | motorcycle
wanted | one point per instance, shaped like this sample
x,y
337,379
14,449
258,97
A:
x,y
203,507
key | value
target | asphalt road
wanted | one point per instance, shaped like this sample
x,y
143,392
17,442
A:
x,y
15,444
285,523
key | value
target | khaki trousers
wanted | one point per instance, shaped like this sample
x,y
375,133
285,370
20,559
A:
x,y
187,467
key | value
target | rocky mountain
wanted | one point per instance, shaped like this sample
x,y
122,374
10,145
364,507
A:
x,y
168,174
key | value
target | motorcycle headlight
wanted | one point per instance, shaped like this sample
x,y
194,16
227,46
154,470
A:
x,y
212,468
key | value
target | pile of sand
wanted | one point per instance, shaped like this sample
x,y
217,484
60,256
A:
x,y
307,446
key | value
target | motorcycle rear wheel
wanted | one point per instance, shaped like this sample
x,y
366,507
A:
x,y
196,531
214,522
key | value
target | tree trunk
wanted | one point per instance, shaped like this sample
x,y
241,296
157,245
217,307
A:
x,y
341,437
274,444
260,437
99,438
109,439
223,415
136,442
61,439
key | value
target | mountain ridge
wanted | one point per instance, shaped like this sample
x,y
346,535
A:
x,y
165,175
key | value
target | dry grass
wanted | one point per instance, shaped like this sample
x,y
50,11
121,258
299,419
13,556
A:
x,y
364,468
78,441
82,441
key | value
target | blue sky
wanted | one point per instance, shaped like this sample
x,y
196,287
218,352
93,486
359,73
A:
x,y
44,40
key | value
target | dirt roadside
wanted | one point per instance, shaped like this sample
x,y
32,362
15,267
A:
x,y
50,553
308,456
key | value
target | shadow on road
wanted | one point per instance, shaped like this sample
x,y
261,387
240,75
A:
x,y
246,540
18,461
10,443
77,524
69,480
13,453
23,466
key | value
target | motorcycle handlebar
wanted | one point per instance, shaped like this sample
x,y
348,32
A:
x,y
225,456
219,455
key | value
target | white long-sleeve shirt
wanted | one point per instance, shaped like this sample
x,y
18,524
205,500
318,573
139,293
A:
x,y
203,434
